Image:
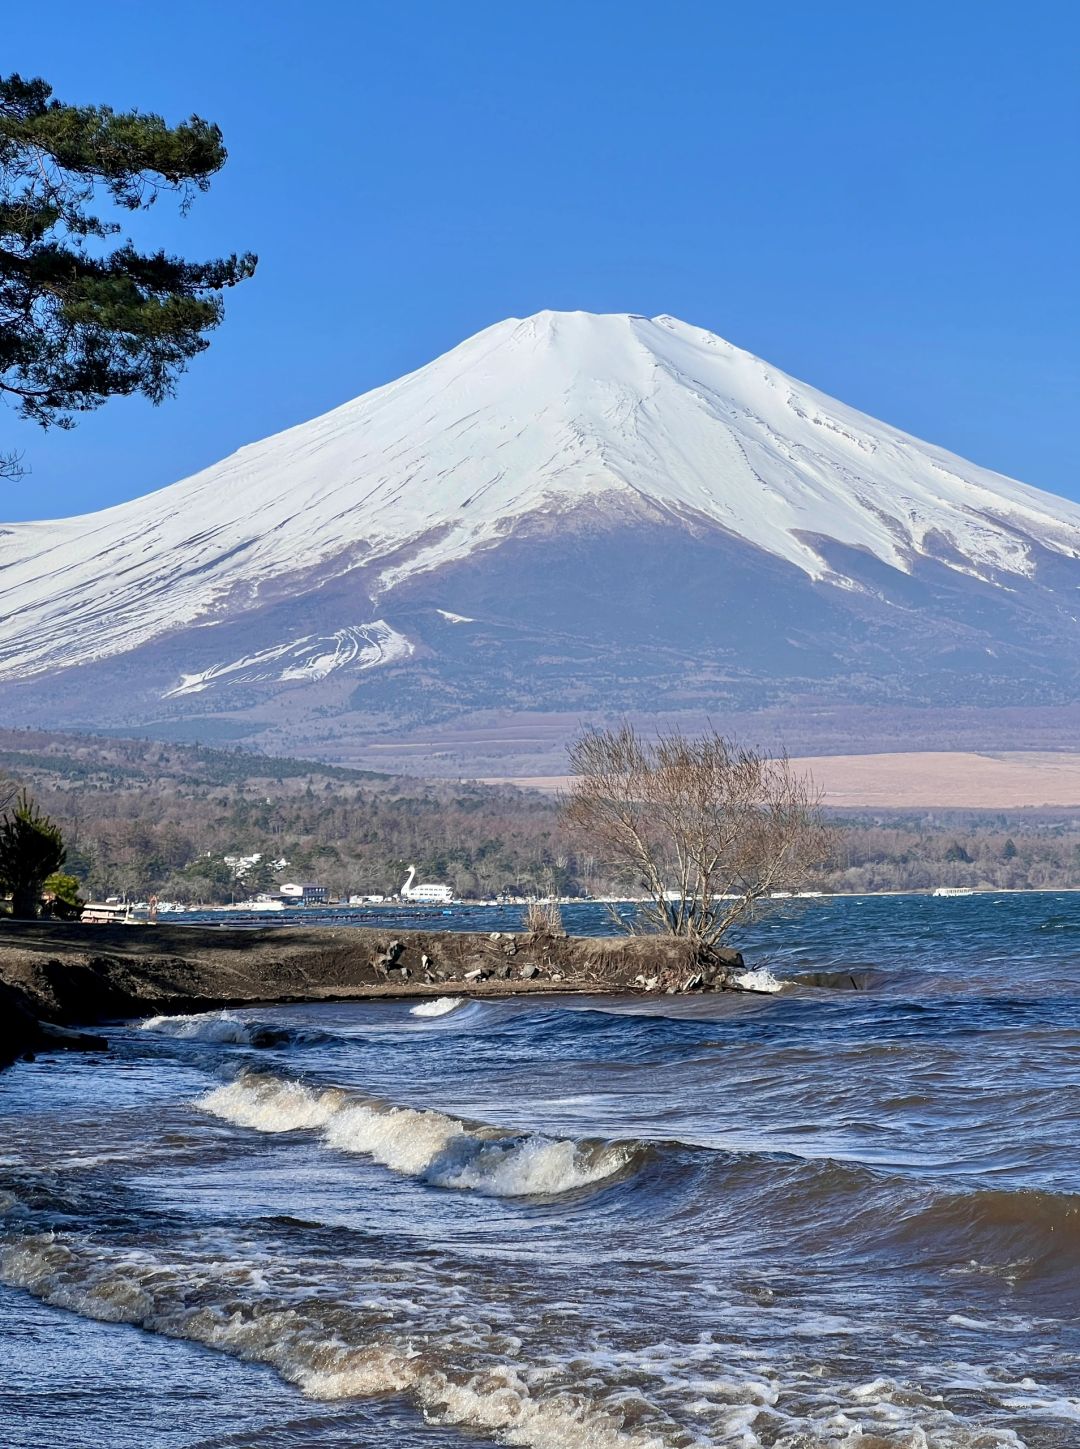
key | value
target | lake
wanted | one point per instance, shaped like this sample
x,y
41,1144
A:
x,y
813,1219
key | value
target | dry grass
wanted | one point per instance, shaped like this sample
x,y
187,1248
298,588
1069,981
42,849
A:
x,y
939,779
543,918
920,780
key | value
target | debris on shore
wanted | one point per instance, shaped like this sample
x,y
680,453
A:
x,y
54,975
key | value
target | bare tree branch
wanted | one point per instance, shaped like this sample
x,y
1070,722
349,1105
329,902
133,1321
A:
x,y
12,467
703,827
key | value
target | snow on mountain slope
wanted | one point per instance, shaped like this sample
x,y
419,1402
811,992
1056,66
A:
x,y
304,660
526,419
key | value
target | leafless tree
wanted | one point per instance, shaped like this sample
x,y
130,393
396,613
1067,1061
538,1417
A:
x,y
704,827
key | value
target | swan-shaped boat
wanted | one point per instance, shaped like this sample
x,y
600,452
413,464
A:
x,y
431,893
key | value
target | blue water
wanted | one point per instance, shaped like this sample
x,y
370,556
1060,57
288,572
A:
x,y
820,1217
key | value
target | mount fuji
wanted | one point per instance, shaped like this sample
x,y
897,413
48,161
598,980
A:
x,y
572,514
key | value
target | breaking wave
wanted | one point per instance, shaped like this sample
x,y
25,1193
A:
x,y
325,1361
222,1028
440,1007
759,981
422,1143
466,1373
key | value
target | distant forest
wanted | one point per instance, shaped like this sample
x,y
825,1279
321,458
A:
x,y
142,817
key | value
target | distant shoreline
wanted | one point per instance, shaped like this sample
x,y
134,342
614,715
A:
x,y
401,909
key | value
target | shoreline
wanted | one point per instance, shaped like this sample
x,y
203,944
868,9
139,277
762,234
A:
x,y
58,975
393,907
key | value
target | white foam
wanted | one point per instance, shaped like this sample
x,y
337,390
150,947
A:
x,y
271,1105
441,1007
155,1296
501,1403
456,1375
401,1138
426,1144
531,1166
218,1026
761,980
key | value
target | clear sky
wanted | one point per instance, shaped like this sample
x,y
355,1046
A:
x,y
879,198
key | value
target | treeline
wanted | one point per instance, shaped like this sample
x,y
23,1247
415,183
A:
x,y
1024,850
141,817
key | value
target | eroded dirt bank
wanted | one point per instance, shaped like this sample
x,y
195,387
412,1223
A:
x,y
53,975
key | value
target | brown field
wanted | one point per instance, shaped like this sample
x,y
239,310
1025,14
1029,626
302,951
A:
x,y
943,779
502,745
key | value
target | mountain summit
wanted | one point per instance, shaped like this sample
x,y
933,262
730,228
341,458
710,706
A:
x,y
567,511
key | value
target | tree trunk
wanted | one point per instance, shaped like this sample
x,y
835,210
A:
x,y
25,901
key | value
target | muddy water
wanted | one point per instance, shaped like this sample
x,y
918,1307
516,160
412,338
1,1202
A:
x,y
813,1217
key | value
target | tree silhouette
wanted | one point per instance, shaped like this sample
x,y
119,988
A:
x,y
31,850
81,321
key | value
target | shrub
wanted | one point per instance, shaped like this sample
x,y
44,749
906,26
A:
x,y
62,899
543,918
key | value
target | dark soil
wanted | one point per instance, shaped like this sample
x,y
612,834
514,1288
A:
x,y
55,975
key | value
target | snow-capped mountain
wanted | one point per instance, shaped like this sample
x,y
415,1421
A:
x,y
564,511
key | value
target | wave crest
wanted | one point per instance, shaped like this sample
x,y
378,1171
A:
x,y
222,1028
293,1338
440,1007
761,980
423,1143
218,1026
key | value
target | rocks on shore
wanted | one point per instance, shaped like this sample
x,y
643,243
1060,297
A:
x,y
55,974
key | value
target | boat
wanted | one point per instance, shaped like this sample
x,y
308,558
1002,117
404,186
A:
x,y
952,891
110,913
429,894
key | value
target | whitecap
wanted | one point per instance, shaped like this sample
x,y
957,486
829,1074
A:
x,y
530,1166
494,1399
440,1007
761,980
217,1026
421,1142
368,1350
270,1105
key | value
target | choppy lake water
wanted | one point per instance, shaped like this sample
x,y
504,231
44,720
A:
x,y
816,1218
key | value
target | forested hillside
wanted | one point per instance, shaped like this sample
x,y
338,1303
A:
x,y
141,816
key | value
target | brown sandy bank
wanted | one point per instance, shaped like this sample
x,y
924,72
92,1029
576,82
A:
x,y
54,975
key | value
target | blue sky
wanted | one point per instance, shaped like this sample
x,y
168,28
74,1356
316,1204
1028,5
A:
x,y
880,199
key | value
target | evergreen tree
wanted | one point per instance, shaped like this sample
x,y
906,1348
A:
x,y
31,850
82,319
62,898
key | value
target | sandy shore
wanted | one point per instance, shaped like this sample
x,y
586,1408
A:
x,y
54,975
